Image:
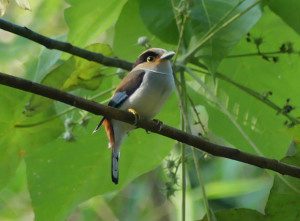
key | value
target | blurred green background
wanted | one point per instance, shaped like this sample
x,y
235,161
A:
x,y
52,168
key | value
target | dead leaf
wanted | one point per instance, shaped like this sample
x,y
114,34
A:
x,y
23,4
3,6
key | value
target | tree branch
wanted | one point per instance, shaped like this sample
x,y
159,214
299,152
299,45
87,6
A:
x,y
64,46
173,133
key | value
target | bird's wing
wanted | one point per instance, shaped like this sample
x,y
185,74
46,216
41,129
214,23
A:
x,y
126,88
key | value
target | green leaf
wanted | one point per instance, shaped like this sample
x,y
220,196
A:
x,y
288,11
87,21
47,59
204,15
16,142
70,173
72,74
158,16
128,29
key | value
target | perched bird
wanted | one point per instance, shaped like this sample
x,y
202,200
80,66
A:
x,y
143,92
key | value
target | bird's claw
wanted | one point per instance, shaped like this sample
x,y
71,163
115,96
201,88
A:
x,y
135,114
159,124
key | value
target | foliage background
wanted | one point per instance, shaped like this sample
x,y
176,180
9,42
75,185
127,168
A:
x,y
57,170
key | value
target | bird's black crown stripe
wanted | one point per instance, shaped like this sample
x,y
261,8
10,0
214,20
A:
x,y
143,57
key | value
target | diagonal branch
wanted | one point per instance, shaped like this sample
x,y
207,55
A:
x,y
173,133
64,46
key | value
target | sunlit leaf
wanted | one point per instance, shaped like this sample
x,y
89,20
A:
x,y
87,21
72,74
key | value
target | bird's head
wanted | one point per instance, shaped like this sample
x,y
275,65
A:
x,y
153,57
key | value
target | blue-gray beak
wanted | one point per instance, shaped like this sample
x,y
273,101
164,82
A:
x,y
168,55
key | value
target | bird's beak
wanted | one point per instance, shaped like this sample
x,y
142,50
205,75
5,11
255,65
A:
x,y
168,55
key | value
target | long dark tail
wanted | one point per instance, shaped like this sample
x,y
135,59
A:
x,y
115,166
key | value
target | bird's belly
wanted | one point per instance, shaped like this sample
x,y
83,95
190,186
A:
x,y
151,96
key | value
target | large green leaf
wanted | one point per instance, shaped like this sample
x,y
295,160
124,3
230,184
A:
x,y
15,142
87,21
129,28
260,122
158,16
62,174
288,11
72,74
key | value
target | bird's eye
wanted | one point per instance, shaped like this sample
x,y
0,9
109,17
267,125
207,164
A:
x,y
150,59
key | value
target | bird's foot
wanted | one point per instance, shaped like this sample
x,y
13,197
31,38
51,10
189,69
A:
x,y
135,114
159,124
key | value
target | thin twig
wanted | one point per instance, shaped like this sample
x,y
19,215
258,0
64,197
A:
x,y
165,130
183,181
184,122
260,54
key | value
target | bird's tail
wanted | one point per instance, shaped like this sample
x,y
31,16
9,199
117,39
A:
x,y
115,166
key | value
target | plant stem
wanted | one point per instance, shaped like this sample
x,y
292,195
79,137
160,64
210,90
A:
x,y
197,115
183,147
180,39
198,169
183,183
259,54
